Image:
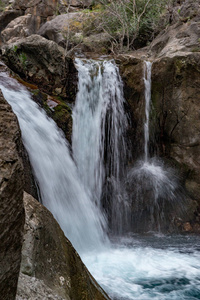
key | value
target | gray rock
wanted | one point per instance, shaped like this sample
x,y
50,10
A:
x,y
50,267
56,29
40,61
20,27
7,16
11,201
42,8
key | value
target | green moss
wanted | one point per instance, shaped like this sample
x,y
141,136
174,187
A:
x,y
196,49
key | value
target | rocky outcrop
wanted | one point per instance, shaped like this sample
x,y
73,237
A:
x,y
11,201
20,27
33,14
41,8
51,268
49,69
76,29
6,17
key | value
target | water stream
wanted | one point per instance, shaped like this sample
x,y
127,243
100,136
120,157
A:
x,y
133,267
98,139
62,191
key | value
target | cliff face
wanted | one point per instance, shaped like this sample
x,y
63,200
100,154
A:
x,y
11,201
174,120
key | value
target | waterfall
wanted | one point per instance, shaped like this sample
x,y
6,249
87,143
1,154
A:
x,y
61,189
147,83
154,189
138,267
99,127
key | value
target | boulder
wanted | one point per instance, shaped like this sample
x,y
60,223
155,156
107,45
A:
x,y
20,27
50,267
11,201
41,62
7,16
56,29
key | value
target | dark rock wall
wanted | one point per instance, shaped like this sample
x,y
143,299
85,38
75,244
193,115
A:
x,y
11,201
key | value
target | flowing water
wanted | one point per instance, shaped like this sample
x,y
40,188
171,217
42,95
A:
x,y
136,267
147,84
98,139
61,189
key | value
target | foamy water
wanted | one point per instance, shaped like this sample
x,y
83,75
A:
x,y
143,268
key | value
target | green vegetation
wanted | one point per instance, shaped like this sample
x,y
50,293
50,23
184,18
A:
x,y
23,59
127,20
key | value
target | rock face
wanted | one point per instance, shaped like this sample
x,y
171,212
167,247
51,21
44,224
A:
x,y
174,120
132,70
42,8
11,201
41,61
20,27
176,96
34,13
51,268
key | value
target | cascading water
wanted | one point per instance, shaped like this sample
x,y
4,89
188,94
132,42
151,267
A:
x,y
98,140
154,189
147,84
61,190
139,267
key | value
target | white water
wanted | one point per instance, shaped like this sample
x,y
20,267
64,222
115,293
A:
x,y
98,142
160,268
61,189
144,268
147,84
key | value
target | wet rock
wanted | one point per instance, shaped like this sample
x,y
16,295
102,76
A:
x,y
11,201
51,268
131,70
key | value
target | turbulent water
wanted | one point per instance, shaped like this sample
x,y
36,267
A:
x,y
149,267
138,267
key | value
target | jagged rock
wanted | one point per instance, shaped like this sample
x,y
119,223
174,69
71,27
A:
x,y
35,13
183,36
51,268
11,201
42,8
20,27
7,16
40,61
